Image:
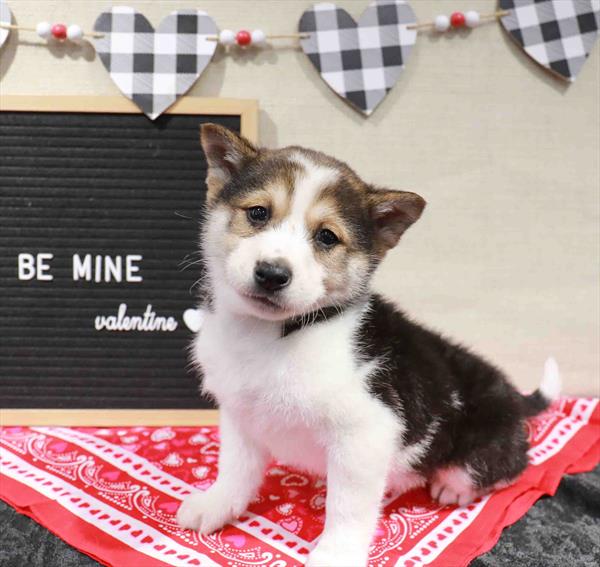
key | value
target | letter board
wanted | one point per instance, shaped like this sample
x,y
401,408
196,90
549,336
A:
x,y
99,221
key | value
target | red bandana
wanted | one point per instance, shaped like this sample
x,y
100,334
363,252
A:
x,y
113,493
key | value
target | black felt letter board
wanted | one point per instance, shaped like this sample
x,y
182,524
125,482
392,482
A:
x,y
98,211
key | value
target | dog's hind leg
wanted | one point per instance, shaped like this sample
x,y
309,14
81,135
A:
x,y
494,466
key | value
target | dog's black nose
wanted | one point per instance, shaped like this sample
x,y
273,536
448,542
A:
x,y
272,276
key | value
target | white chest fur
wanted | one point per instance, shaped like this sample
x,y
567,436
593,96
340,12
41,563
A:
x,y
292,394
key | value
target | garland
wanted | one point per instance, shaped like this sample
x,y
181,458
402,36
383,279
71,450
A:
x,y
360,60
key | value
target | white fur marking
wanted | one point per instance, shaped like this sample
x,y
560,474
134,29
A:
x,y
455,400
310,181
412,454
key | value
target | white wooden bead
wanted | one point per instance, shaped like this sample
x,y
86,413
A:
x,y
227,37
441,23
74,33
472,19
258,37
44,30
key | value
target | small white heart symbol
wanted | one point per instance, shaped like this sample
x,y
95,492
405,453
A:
x,y
193,319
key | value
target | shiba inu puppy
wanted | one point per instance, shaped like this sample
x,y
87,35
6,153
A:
x,y
311,368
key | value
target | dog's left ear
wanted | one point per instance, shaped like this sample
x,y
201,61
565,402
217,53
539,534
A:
x,y
392,213
226,153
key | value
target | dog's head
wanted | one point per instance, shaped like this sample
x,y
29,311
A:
x,y
292,231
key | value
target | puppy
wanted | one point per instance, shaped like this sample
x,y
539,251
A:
x,y
311,368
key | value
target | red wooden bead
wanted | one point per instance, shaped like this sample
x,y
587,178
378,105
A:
x,y
457,20
243,37
59,31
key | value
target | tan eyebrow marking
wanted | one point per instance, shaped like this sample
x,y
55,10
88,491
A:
x,y
260,197
325,213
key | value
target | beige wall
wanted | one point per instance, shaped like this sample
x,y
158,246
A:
x,y
506,257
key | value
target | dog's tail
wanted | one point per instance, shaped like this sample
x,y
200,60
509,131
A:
x,y
548,391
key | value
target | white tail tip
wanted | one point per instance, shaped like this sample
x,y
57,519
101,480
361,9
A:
x,y
551,383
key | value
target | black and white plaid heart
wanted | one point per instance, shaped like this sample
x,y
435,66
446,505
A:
x,y
154,68
360,61
5,18
558,34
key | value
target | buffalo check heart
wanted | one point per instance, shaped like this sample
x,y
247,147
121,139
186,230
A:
x,y
154,68
558,34
360,61
5,18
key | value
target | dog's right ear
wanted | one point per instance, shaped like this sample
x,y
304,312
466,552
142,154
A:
x,y
226,153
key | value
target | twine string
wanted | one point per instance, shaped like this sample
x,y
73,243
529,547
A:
x,y
418,26
29,29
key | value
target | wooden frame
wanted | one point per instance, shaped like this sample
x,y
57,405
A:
x,y
248,112
247,109
108,418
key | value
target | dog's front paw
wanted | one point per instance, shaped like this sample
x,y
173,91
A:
x,y
325,555
205,512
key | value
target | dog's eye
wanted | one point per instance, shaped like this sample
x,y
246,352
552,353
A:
x,y
257,215
326,238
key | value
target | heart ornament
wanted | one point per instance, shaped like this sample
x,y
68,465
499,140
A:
x,y
361,61
557,34
5,18
154,67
